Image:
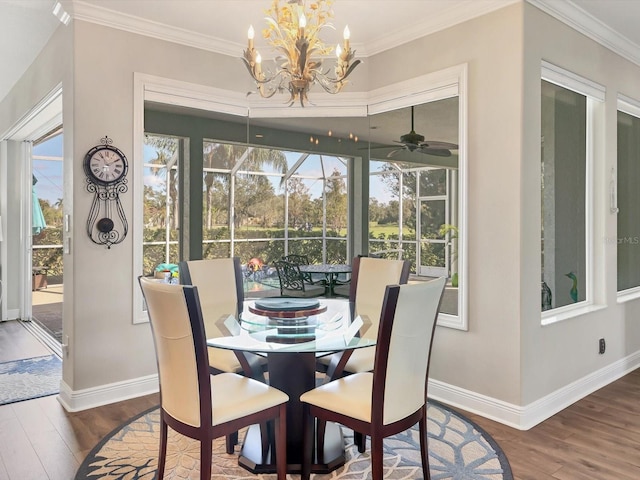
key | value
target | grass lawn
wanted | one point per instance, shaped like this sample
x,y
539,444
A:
x,y
388,229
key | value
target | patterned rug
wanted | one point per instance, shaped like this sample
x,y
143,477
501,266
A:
x,y
458,450
30,378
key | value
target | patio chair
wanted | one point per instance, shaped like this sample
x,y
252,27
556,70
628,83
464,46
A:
x,y
292,283
302,260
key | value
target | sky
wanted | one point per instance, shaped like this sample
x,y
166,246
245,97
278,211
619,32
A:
x,y
48,173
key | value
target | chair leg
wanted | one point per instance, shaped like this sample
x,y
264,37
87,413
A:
x,y
377,470
424,447
281,443
231,442
205,458
360,439
321,428
307,442
162,454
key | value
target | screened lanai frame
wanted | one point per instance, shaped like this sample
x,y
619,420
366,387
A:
x,y
242,243
162,202
431,253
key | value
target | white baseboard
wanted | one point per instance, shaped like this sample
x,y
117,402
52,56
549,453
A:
x,y
521,418
524,418
75,401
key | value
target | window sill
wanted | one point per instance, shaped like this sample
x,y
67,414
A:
x,y
628,295
565,313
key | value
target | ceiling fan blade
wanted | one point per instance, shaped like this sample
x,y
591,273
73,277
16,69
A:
x,y
438,145
394,152
438,152
378,147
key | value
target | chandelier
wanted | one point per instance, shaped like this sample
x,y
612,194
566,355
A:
x,y
294,32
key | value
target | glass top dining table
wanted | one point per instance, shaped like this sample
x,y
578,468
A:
x,y
292,334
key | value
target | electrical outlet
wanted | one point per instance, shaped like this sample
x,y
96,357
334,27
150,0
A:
x,y
602,346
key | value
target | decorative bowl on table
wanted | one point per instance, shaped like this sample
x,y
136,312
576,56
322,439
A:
x,y
287,308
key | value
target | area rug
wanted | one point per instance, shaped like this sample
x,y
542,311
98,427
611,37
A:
x,y
29,378
458,450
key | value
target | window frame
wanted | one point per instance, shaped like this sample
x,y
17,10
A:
x,y
595,95
446,82
631,107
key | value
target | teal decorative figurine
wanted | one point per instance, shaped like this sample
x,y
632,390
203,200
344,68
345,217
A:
x,y
574,287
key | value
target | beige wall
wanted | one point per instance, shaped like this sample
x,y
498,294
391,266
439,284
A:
x,y
556,355
506,356
486,359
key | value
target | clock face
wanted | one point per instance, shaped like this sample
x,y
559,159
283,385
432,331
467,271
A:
x,y
105,165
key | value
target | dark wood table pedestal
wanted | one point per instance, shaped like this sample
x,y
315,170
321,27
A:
x,y
294,374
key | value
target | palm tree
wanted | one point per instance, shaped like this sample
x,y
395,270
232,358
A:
x,y
232,158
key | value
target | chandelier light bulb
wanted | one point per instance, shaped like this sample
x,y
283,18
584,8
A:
x,y
302,21
250,34
338,50
258,58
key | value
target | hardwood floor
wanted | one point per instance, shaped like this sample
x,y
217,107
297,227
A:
x,y
597,438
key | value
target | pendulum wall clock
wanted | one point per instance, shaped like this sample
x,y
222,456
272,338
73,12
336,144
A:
x,y
105,167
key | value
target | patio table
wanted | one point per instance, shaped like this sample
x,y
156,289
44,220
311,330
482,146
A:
x,y
330,271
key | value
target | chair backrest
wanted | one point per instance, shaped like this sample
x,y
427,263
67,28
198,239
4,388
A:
x,y
296,259
369,279
219,283
290,276
181,352
403,349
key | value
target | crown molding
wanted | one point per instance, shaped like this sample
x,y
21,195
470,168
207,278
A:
x,y
585,23
419,27
103,16
566,11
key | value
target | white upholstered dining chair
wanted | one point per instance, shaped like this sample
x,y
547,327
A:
x,y
192,401
369,279
220,286
219,283
393,397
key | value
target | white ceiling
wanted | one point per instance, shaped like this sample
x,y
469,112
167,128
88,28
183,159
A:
x,y
221,25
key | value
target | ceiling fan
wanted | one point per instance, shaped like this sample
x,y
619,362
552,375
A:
x,y
413,141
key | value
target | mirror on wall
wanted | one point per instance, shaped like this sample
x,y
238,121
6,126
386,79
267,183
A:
x,y
413,191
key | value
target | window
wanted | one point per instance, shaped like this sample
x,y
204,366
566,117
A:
x,y
161,202
567,118
628,239
47,192
281,202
